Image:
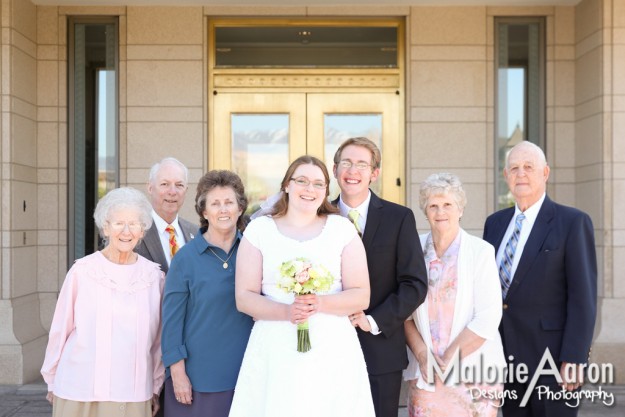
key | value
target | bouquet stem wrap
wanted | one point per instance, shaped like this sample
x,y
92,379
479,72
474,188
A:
x,y
303,338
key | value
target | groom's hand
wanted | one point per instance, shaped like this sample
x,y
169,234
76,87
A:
x,y
359,319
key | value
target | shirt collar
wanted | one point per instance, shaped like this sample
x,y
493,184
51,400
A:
x,y
202,244
363,208
162,224
532,212
429,252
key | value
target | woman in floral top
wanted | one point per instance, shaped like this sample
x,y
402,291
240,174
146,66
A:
x,y
460,315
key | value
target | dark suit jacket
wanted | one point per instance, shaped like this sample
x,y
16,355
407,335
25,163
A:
x,y
398,282
150,246
552,300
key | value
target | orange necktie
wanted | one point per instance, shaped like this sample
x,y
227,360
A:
x,y
173,245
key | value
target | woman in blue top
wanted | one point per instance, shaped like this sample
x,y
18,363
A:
x,y
204,336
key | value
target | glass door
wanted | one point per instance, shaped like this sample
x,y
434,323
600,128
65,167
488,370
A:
x,y
257,135
333,118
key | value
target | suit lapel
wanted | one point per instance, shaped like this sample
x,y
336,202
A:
x,y
374,216
187,230
534,243
154,247
501,225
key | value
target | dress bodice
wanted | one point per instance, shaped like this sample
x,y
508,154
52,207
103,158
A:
x,y
324,249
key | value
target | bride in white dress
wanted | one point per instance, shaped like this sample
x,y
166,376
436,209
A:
x,y
275,379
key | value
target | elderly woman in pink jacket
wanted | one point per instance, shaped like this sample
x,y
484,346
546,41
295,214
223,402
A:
x,y
104,351
460,315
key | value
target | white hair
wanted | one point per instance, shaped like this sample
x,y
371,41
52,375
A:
x,y
119,199
168,161
530,146
440,184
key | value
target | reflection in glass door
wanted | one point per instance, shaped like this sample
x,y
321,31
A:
x,y
260,153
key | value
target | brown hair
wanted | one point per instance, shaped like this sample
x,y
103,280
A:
x,y
282,205
220,178
376,157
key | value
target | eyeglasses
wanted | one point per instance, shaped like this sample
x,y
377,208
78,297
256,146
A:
x,y
133,227
360,166
305,182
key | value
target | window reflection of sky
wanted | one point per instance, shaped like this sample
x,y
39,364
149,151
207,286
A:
x,y
516,99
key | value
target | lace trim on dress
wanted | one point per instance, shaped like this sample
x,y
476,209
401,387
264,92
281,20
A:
x,y
135,278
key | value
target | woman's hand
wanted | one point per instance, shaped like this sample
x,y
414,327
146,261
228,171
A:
x,y
422,359
155,404
181,383
303,307
50,397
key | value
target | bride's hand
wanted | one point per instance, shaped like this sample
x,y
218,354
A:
x,y
303,307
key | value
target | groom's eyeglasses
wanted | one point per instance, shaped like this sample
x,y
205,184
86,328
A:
x,y
360,166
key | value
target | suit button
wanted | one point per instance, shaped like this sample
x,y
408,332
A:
x,y
505,306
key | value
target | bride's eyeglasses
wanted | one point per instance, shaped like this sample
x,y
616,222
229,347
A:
x,y
305,182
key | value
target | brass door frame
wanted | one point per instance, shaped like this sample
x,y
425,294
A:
x,y
309,80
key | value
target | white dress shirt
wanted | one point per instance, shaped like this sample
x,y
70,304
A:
x,y
363,210
530,218
161,225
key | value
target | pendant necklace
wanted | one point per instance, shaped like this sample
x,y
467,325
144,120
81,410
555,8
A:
x,y
225,261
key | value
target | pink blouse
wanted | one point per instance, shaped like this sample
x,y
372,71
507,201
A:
x,y
105,338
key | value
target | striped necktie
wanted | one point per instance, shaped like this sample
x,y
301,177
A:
x,y
353,216
505,268
173,245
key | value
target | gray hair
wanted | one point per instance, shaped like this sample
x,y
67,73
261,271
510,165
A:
x,y
119,199
532,147
442,183
168,161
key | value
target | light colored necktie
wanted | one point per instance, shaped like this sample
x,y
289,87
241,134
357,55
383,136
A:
x,y
505,268
353,216
173,245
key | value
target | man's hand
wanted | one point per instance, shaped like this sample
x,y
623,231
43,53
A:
x,y
572,375
359,319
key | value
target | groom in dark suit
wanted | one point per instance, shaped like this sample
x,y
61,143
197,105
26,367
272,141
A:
x,y
396,269
167,187
548,272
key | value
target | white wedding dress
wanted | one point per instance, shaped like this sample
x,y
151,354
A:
x,y
275,379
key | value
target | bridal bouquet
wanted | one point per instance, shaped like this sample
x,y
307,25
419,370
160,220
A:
x,y
299,276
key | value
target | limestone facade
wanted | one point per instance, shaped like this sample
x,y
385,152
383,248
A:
x,y
163,111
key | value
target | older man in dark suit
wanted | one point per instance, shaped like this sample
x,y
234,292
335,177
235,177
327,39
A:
x,y
396,269
167,187
548,272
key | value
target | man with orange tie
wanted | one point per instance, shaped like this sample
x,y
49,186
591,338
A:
x,y
167,188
